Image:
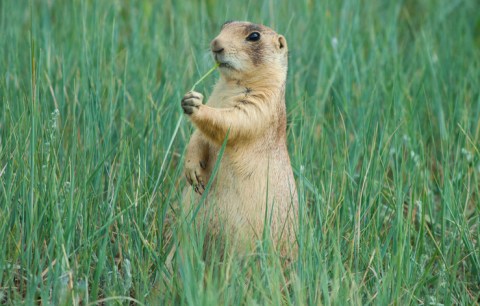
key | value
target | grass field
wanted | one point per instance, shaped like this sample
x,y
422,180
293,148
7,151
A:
x,y
383,103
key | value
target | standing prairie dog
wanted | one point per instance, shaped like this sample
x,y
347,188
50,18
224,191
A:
x,y
254,183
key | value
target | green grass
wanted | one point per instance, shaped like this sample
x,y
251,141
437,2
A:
x,y
383,105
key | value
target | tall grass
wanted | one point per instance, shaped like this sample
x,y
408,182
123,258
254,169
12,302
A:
x,y
383,105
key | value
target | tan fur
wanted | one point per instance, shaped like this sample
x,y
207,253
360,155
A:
x,y
249,102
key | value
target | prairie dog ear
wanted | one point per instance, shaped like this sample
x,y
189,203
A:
x,y
281,43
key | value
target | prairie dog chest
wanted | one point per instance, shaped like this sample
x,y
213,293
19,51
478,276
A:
x,y
223,97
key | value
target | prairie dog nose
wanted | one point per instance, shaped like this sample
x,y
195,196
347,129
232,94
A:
x,y
216,46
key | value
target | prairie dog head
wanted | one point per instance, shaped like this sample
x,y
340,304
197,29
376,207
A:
x,y
246,50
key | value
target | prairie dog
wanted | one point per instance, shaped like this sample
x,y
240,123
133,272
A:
x,y
255,182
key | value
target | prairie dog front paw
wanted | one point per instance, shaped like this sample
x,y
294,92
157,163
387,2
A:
x,y
196,175
191,102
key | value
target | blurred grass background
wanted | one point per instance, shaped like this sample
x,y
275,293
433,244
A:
x,y
383,105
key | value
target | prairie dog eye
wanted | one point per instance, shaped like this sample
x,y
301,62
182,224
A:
x,y
254,36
